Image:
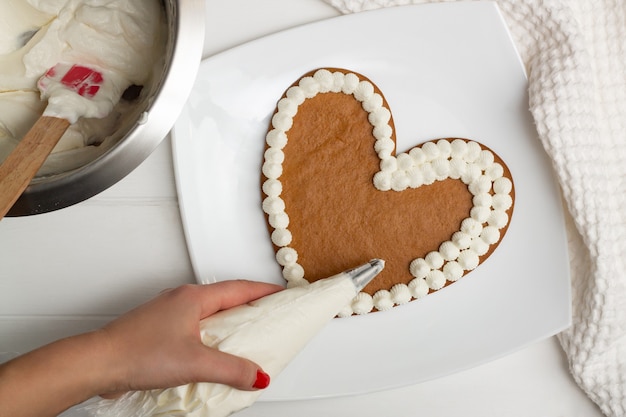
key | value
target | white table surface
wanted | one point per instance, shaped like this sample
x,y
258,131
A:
x,y
71,270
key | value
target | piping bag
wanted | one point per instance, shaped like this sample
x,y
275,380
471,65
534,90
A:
x,y
270,331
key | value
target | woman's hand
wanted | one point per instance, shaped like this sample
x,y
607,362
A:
x,y
156,345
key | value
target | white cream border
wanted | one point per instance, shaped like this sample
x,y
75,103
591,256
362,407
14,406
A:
x,y
423,165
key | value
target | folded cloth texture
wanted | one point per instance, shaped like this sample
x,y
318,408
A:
x,y
575,57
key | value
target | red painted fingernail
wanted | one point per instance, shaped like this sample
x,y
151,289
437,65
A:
x,y
262,380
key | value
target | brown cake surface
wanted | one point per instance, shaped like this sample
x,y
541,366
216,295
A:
x,y
349,198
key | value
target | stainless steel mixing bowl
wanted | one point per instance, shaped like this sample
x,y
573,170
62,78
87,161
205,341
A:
x,y
154,119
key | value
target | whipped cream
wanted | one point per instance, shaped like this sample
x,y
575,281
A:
x,y
123,40
18,20
458,159
269,331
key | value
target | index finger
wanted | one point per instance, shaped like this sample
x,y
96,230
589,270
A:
x,y
227,294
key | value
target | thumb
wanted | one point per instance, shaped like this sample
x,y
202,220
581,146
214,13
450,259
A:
x,y
224,368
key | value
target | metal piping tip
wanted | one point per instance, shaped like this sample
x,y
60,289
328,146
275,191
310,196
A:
x,y
362,275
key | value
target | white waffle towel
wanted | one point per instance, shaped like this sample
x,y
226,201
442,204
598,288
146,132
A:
x,y
575,57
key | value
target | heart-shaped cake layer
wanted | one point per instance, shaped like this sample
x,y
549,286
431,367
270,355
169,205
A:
x,y
336,195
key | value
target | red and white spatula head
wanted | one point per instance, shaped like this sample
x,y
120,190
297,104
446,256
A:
x,y
83,80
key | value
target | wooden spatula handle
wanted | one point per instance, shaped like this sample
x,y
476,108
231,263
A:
x,y
28,156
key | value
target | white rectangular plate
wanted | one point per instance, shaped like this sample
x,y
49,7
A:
x,y
447,70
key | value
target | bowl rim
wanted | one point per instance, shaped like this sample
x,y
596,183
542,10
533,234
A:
x,y
187,23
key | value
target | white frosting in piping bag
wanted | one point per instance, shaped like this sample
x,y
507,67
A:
x,y
269,331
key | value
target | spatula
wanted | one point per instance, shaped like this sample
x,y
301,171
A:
x,y
21,165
